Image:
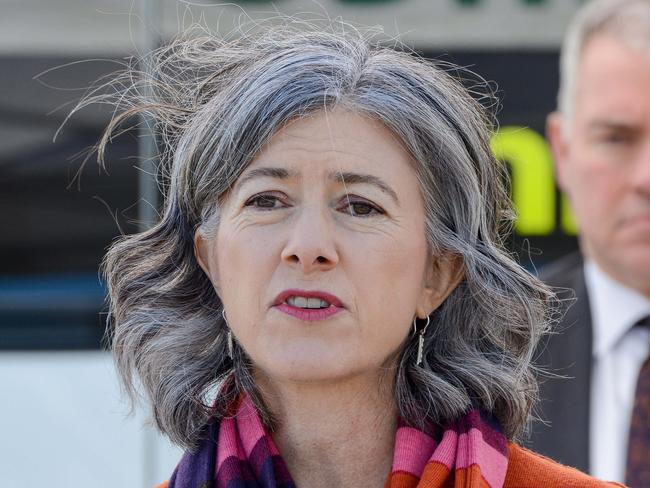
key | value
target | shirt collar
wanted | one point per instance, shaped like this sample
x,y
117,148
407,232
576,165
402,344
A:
x,y
615,308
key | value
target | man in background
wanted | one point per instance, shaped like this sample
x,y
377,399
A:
x,y
600,137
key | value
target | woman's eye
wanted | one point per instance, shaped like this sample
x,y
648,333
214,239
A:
x,y
352,207
361,209
266,202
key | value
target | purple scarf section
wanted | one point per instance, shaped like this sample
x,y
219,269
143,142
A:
x,y
196,469
237,453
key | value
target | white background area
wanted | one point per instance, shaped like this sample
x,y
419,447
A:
x,y
63,424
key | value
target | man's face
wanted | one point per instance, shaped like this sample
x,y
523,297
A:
x,y
603,158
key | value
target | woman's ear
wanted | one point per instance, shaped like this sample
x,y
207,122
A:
x,y
443,274
202,247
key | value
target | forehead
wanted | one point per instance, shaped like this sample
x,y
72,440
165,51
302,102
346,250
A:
x,y
336,140
613,78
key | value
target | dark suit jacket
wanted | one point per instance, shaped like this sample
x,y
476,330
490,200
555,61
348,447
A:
x,y
567,353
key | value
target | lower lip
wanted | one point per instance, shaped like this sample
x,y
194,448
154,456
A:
x,y
309,313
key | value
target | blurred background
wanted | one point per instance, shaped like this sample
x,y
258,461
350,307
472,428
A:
x,y
62,420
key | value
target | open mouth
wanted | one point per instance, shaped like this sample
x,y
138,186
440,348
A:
x,y
307,303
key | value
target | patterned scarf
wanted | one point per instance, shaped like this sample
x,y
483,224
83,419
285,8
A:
x,y
239,453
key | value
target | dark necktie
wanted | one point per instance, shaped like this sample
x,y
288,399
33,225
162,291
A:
x,y
637,474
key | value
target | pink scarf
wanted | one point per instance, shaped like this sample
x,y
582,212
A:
x,y
471,453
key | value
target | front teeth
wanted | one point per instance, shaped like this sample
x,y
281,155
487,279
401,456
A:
x,y
303,302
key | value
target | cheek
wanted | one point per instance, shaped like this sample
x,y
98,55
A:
x,y
596,187
388,279
245,266
604,193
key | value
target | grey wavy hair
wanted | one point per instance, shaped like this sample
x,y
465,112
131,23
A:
x,y
625,20
215,102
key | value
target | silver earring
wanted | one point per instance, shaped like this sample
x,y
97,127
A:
x,y
418,361
229,341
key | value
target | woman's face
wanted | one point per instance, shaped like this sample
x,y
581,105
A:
x,y
329,210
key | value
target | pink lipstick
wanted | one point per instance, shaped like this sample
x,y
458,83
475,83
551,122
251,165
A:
x,y
312,314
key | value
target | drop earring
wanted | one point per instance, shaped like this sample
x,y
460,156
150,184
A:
x,y
418,361
229,341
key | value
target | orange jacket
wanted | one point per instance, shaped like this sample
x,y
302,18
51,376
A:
x,y
527,469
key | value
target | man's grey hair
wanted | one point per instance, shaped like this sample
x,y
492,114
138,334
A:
x,y
215,103
625,20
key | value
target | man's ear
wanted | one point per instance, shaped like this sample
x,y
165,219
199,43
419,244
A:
x,y
443,275
557,138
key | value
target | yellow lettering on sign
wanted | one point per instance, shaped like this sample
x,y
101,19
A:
x,y
567,218
533,182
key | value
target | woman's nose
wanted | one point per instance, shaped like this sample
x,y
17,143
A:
x,y
311,245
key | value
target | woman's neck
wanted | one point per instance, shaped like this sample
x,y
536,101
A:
x,y
336,434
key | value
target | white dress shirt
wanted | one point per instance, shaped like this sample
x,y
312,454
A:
x,y
619,350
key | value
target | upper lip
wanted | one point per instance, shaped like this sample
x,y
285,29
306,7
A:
x,y
328,297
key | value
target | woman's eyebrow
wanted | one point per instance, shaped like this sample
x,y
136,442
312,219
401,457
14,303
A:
x,y
349,178
268,172
343,177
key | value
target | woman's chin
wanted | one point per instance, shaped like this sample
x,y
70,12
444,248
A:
x,y
305,368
